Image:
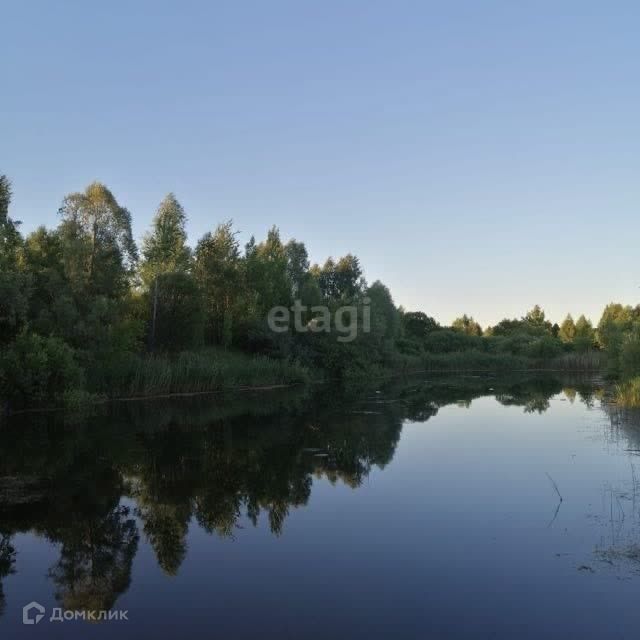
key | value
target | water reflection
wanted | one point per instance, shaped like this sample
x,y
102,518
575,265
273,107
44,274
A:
x,y
97,551
94,486
619,544
7,561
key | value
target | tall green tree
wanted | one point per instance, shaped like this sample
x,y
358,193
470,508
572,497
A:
x,y
164,253
164,249
99,251
267,270
615,321
218,270
14,282
343,280
385,319
10,239
304,281
567,331
52,309
537,320
297,265
585,335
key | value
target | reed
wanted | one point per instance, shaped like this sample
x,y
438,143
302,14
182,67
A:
x,y
208,370
627,394
584,361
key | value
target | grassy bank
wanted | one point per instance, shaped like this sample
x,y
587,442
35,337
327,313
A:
x,y
216,369
133,376
207,370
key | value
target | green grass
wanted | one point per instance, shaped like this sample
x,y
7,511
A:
x,y
207,370
627,394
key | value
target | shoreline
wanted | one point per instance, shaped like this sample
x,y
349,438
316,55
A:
x,y
102,400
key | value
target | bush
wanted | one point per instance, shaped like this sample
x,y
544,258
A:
x,y
448,341
35,369
408,347
514,344
546,348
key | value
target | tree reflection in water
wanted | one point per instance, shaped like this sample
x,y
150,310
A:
x,y
7,561
158,466
96,555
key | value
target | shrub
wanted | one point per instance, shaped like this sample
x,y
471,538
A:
x,y
36,368
448,341
545,348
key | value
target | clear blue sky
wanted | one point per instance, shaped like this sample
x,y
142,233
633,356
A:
x,y
478,157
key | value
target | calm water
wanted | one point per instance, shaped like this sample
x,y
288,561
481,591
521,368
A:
x,y
423,509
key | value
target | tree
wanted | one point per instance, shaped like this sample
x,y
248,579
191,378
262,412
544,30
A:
x,y
179,322
348,276
218,271
536,320
165,249
98,246
567,329
267,269
10,240
326,276
96,556
341,281
385,320
509,327
52,308
297,265
7,563
466,324
14,282
417,324
616,319
584,334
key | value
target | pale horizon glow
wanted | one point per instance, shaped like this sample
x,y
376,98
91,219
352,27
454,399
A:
x,y
478,158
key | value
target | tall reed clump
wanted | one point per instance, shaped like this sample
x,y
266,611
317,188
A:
x,y
627,394
208,370
581,361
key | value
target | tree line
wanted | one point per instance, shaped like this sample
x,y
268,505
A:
x,y
84,311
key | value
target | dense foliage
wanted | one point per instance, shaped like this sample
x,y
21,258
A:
x,y
83,312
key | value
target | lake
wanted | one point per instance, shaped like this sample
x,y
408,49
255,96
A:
x,y
430,507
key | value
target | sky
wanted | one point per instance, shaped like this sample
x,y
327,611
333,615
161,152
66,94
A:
x,y
478,157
